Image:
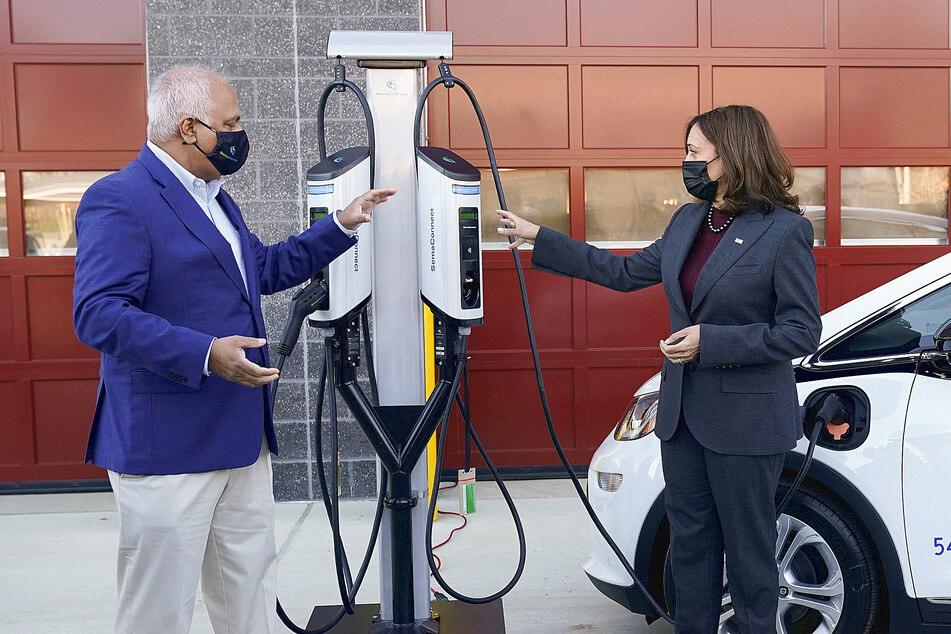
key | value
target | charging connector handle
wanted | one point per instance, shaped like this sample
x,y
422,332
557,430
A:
x,y
303,303
833,408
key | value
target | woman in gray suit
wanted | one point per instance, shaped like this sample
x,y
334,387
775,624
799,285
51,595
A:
x,y
740,279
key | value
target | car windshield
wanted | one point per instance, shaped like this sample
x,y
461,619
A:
x,y
907,330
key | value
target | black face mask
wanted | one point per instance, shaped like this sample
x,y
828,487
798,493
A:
x,y
230,152
697,180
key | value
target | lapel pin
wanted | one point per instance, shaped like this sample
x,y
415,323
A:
x,y
738,240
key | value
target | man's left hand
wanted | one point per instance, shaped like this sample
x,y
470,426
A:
x,y
682,346
361,209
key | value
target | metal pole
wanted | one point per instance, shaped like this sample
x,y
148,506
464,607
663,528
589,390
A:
x,y
396,308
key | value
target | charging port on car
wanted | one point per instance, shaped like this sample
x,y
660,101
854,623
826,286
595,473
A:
x,y
849,428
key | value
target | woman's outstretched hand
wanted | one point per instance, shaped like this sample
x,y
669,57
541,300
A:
x,y
512,225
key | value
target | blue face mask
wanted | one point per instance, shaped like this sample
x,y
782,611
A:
x,y
230,152
697,180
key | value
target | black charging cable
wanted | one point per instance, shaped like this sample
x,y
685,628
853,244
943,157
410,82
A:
x,y
833,408
466,415
449,81
440,454
302,304
300,308
447,78
340,83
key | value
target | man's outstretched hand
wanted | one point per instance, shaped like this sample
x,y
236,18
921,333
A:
x,y
227,360
361,209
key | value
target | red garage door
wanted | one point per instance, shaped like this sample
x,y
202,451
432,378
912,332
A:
x,y
72,109
587,102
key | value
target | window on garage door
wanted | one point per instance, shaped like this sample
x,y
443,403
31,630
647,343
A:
x,y
538,195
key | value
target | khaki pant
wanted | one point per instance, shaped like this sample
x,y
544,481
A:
x,y
174,529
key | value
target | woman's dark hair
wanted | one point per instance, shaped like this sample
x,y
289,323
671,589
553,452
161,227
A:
x,y
755,168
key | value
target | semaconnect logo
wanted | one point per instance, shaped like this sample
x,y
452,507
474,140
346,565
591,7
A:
x,y
432,239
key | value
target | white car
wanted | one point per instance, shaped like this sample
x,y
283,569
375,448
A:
x,y
866,542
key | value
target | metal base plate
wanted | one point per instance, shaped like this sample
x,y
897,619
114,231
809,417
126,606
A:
x,y
451,617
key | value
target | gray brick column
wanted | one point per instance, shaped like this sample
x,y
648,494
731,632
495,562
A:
x,y
273,53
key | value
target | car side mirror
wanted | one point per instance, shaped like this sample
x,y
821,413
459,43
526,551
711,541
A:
x,y
943,335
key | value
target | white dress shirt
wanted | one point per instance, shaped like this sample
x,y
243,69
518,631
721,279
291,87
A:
x,y
205,194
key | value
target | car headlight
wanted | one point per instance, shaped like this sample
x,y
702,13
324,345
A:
x,y
609,482
639,418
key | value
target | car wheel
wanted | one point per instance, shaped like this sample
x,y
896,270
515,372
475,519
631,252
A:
x,y
828,578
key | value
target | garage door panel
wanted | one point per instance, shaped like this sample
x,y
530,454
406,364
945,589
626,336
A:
x,y
479,23
792,98
914,24
63,410
894,107
768,23
638,106
511,420
524,106
613,23
50,304
6,320
63,107
618,320
11,448
99,22
504,326
861,278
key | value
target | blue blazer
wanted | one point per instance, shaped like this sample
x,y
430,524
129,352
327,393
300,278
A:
x,y
155,283
758,308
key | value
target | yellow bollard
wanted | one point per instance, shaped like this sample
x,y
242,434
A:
x,y
429,352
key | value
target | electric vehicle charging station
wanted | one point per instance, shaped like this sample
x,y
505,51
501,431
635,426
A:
x,y
401,423
450,236
331,185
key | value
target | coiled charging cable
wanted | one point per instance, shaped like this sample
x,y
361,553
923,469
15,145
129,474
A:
x,y
522,550
347,585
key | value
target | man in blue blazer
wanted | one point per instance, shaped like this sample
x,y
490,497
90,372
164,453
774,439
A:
x,y
168,288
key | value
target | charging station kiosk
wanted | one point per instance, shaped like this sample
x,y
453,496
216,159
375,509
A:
x,y
404,419
331,185
448,220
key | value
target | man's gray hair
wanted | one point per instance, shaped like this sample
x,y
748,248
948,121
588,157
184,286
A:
x,y
181,91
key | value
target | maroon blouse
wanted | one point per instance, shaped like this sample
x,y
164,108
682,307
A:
x,y
703,246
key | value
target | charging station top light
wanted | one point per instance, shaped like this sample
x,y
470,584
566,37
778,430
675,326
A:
x,y
465,189
315,190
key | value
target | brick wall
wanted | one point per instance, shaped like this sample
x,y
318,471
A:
x,y
274,54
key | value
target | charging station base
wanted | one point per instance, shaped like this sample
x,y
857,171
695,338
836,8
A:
x,y
454,617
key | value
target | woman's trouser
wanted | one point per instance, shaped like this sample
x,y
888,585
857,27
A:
x,y
716,504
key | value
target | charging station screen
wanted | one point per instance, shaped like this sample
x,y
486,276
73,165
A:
x,y
468,215
316,213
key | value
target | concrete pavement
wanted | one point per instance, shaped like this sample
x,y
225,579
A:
x,y
57,561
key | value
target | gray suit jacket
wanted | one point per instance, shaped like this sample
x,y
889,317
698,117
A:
x,y
758,308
